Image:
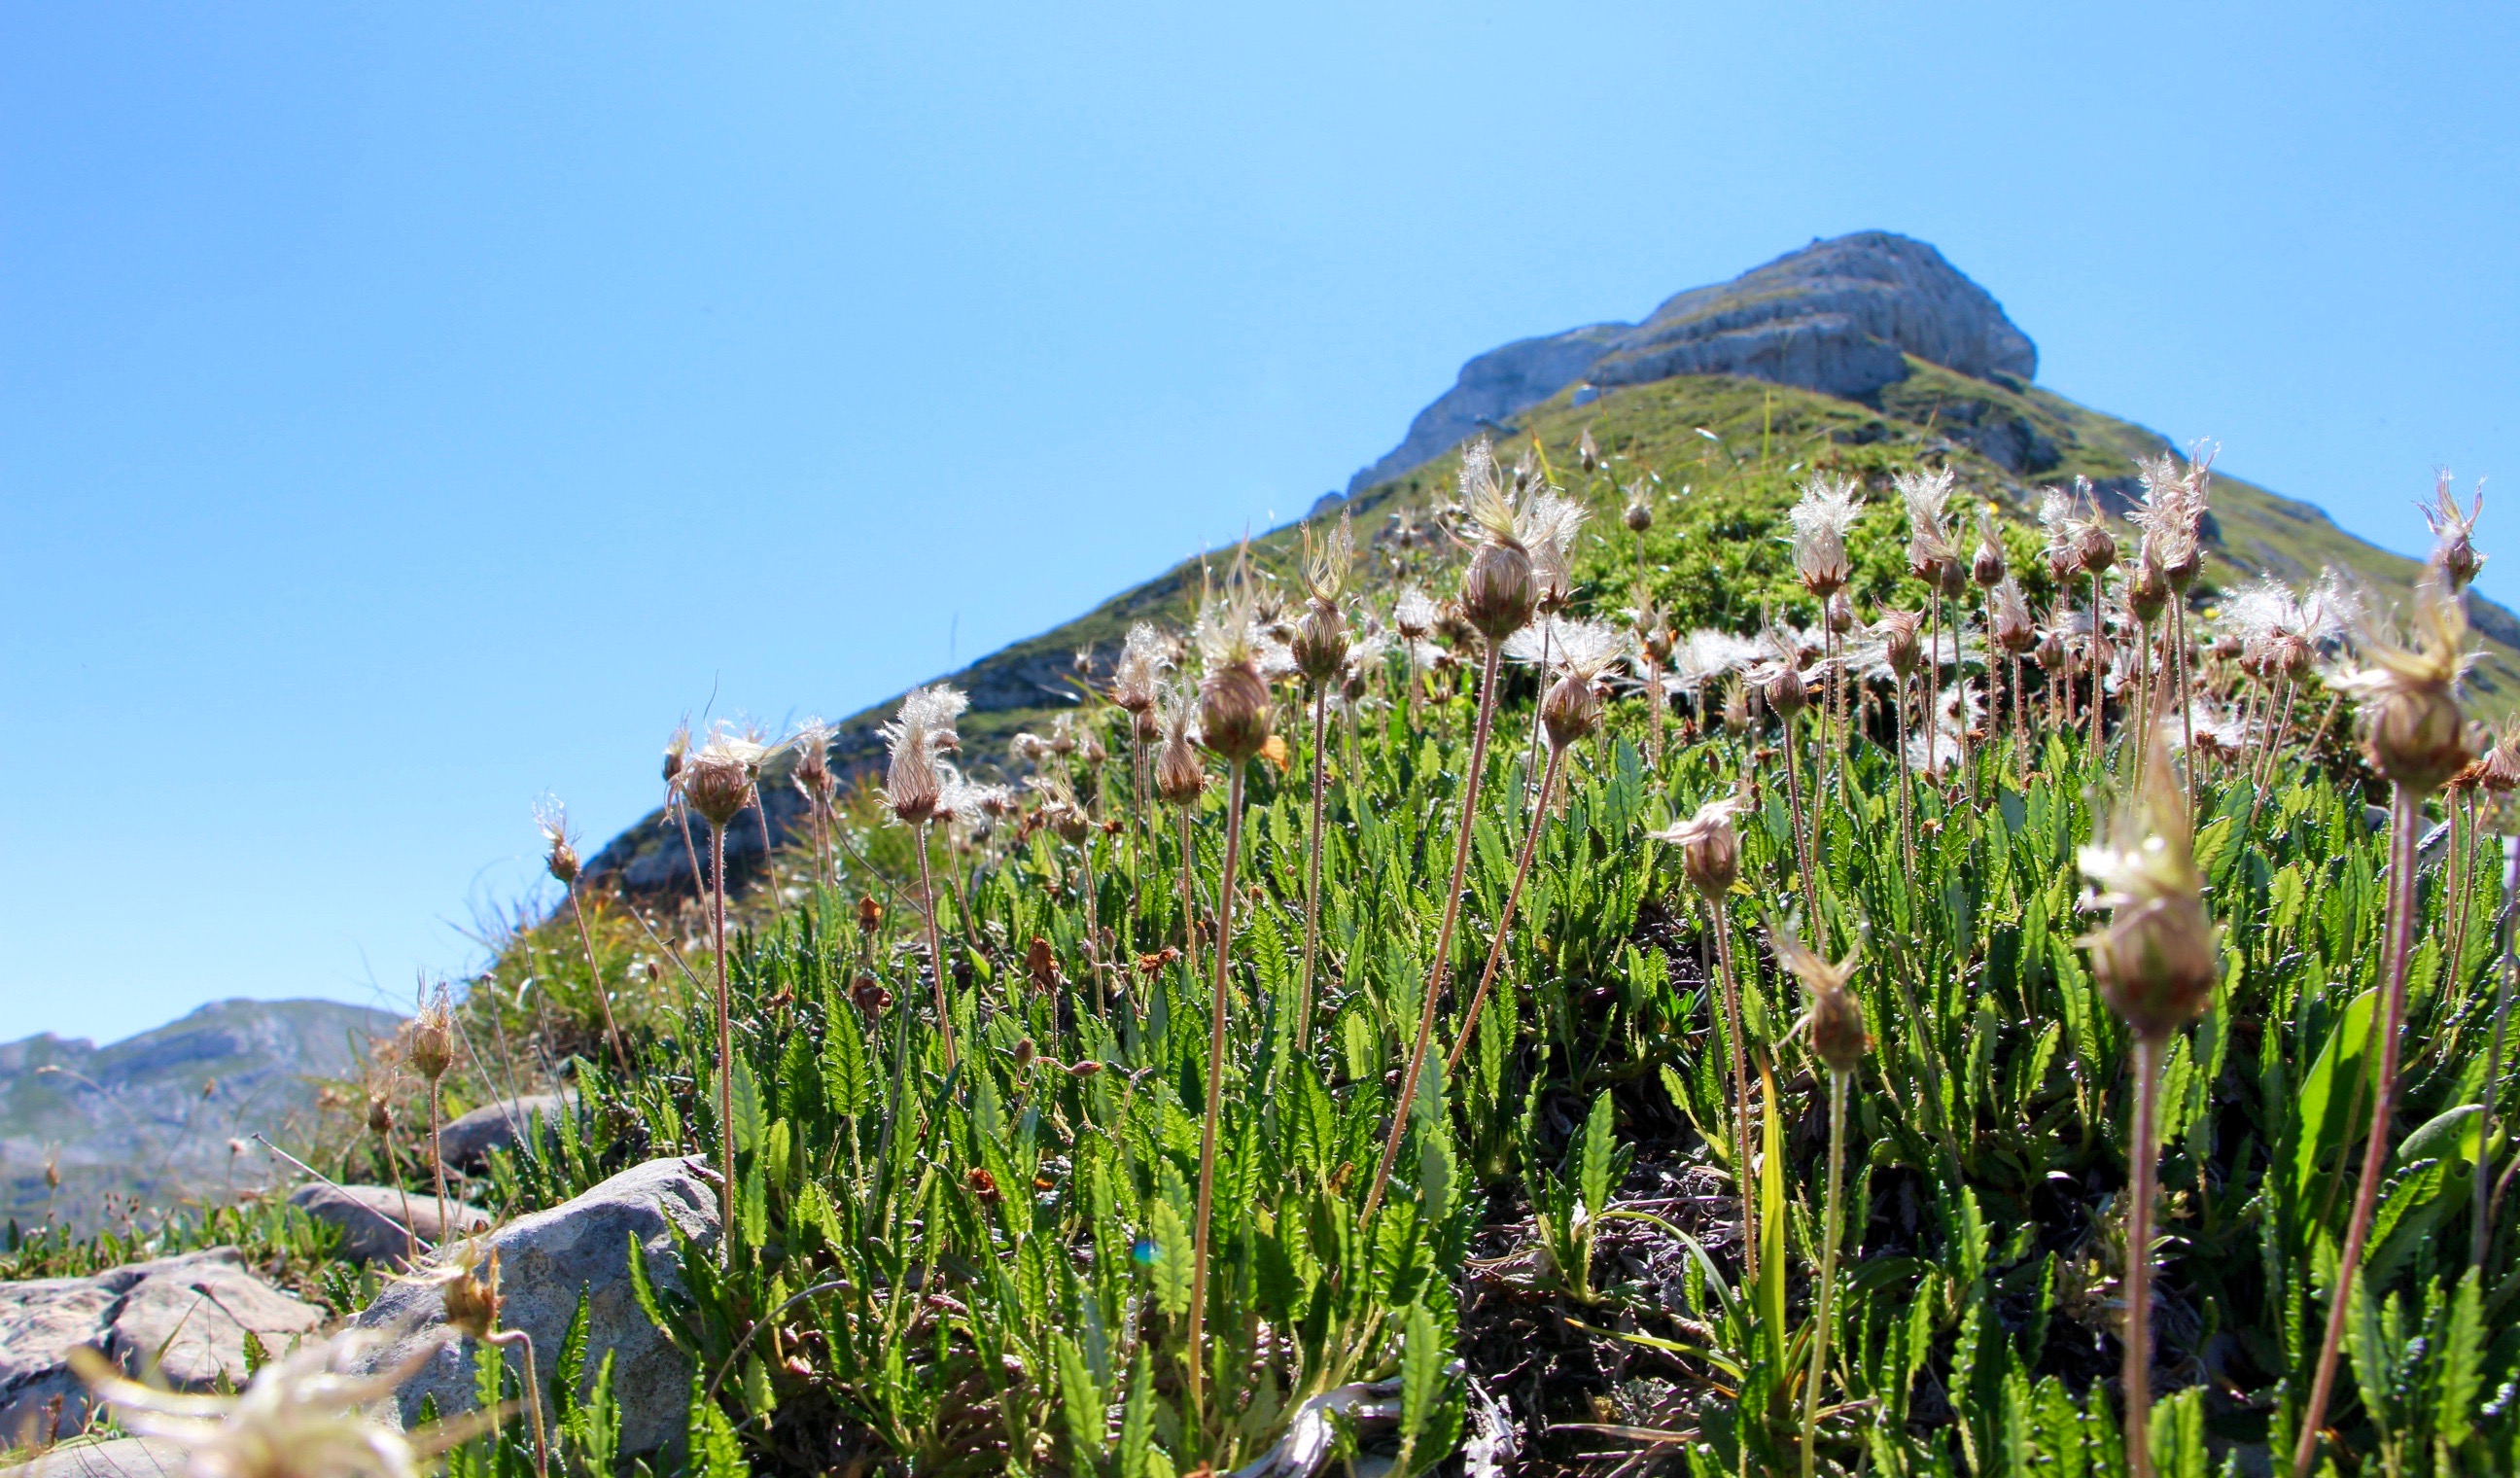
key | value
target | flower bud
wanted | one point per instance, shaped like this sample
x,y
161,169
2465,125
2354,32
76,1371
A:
x,y
719,783
984,1185
1179,774
870,997
2181,573
1024,1054
1837,1035
380,1115
429,1043
1569,710
2417,737
1987,566
1498,590
1786,692
472,1298
2095,549
562,860
2148,591
1233,712
1900,644
869,914
1321,644
1952,578
2157,963
1710,849
2457,560
1639,516
1837,612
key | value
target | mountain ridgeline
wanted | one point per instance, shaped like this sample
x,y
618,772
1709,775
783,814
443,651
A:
x,y
1857,354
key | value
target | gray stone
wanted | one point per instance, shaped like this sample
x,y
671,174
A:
x,y
1839,316
187,1316
372,1218
545,1260
465,1142
114,1457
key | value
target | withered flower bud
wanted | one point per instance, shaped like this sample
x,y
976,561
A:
x,y
380,1115
2159,959
2148,591
1784,690
870,997
2415,734
1901,645
1987,567
1736,708
1710,849
1041,963
1180,778
2052,654
983,1186
1321,644
1499,591
869,914
1836,1018
1234,711
2015,632
2095,549
429,1043
718,782
2182,572
471,1292
1569,710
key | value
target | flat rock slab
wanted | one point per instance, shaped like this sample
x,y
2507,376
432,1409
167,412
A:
x,y
465,1142
545,1261
114,1457
188,1316
371,1218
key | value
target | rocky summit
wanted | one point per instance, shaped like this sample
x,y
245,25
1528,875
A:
x,y
1838,315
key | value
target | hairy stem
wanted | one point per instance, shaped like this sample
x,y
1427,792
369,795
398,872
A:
x,y
725,1048
2481,1235
1215,1083
595,978
1741,1090
1827,1285
1443,933
1313,875
2403,829
1505,921
2135,1376
935,950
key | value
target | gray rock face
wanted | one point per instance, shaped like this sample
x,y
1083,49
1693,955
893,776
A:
x,y
1837,316
372,1218
466,1141
187,1314
545,1260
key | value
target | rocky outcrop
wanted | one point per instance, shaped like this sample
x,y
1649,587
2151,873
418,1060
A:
x,y
1839,316
465,1142
371,1219
187,1316
545,1261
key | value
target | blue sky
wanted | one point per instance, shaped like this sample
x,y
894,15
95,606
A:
x,y
405,411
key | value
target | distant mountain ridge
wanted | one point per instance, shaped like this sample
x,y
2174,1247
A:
x,y
1874,331
151,1115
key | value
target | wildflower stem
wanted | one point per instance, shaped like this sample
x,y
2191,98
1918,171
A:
x,y
2099,674
2186,698
1215,1083
595,979
1933,682
1804,846
1512,898
534,1396
2482,1234
1443,933
1312,873
2143,1159
1827,1285
1907,820
725,1048
1740,1088
935,950
2403,829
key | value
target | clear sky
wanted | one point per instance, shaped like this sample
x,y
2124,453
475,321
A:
x,y
406,410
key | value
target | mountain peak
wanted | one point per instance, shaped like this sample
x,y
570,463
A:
x,y
1839,316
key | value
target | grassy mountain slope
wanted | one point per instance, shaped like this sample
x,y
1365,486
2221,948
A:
x,y
1729,452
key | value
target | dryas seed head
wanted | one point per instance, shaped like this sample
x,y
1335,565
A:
x,y
429,1041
